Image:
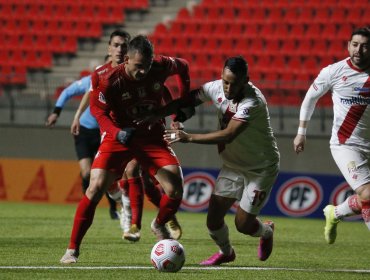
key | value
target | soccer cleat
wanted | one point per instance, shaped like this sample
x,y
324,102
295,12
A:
x,y
71,256
218,259
330,230
160,231
174,228
266,244
133,234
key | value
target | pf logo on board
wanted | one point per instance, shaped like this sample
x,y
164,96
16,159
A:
x,y
299,196
198,187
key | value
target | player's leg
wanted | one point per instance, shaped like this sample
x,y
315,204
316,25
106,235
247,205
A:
x,y
125,217
256,192
355,168
136,198
85,166
364,197
153,192
99,182
171,180
219,231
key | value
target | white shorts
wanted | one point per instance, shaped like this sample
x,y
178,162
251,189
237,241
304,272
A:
x,y
251,188
353,163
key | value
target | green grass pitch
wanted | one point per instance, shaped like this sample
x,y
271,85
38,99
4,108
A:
x,y
33,237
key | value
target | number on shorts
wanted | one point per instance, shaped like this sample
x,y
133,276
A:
x,y
259,197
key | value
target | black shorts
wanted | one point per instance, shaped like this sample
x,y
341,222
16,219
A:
x,y
87,142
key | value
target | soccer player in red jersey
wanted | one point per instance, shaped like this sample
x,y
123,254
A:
x,y
129,91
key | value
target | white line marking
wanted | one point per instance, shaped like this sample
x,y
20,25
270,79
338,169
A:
x,y
187,268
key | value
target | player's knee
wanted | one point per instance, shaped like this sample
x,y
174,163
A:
x,y
174,193
364,192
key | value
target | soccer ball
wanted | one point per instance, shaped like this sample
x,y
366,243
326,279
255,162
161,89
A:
x,y
168,255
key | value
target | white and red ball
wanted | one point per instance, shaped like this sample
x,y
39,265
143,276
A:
x,y
168,255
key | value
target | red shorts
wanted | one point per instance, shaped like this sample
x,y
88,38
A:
x,y
151,155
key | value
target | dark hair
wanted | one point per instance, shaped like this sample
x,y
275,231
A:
x,y
238,65
120,33
141,44
363,31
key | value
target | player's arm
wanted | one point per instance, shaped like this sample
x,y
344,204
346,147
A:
x,y
319,87
75,126
224,136
182,107
100,110
74,89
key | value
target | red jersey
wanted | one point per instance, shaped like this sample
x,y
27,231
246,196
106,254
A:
x,y
100,73
119,100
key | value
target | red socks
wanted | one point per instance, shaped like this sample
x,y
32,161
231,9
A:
x,y
83,219
365,212
168,208
136,195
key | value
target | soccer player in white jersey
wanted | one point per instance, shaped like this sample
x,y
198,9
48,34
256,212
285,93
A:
x,y
349,82
250,157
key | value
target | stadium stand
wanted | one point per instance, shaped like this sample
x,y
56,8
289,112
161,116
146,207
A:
x,y
281,39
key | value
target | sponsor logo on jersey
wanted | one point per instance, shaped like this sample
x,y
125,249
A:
x,y
156,86
315,86
126,95
358,100
198,187
102,98
344,78
219,100
142,92
299,196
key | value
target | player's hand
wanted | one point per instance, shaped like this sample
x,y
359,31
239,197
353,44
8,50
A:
x,y
51,120
75,127
176,135
176,125
299,143
125,135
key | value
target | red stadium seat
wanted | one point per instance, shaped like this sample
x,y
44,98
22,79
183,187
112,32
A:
x,y
322,15
338,14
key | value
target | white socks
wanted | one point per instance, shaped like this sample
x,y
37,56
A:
x,y
221,237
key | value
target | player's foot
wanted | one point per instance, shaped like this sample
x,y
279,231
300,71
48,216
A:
x,y
219,258
133,234
266,244
160,231
113,214
174,228
330,230
71,256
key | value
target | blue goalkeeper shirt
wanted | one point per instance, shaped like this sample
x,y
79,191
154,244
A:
x,y
75,89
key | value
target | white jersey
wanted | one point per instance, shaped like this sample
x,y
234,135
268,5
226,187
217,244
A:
x,y
255,147
350,89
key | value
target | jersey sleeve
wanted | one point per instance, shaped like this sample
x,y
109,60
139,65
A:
x,y
75,89
178,67
318,88
100,110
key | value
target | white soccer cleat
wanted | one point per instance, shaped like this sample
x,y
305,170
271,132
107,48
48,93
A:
x,y
71,256
160,231
174,228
